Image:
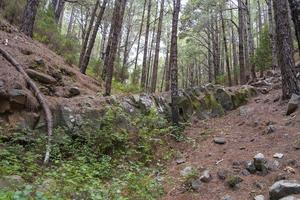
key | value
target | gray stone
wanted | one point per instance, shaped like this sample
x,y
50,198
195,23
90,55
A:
x,y
1,83
284,188
17,96
250,167
293,104
219,140
223,174
227,197
273,165
196,184
260,162
271,129
224,98
187,171
205,176
278,155
74,91
180,160
245,172
40,77
259,197
290,198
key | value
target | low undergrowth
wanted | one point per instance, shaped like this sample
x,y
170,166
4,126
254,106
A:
x,y
120,156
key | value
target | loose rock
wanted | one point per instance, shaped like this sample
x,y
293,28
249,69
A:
x,y
259,197
219,140
206,176
293,104
284,188
278,155
260,162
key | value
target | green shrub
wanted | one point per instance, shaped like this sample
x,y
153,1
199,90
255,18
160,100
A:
x,y
47,31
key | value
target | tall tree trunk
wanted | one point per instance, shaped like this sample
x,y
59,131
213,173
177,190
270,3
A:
x,y
241,43
87,55
131,13
260,24
70,25
103,40
167,67
295,11
111,50
272,34
157,47
285,46
87,34
234,53
246,42
174,64
29,17
251,42
226,51
144,67
58,7
134,78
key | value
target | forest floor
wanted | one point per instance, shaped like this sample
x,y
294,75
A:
x,y
246,133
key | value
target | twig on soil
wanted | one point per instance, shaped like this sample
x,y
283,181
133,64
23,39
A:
x,y
40,97
219,161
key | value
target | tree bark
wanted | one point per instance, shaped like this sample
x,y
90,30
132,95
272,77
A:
x,y
157,48
226,51
29,17
144,65
295,11
285,49
134,78
234,53
173,63
272,35
111,50
87,35
87,55
241,43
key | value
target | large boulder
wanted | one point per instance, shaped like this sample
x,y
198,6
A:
x,y
284,188
293,104
224,98
40,77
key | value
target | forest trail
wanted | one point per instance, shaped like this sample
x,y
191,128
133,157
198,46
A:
x,y
261,126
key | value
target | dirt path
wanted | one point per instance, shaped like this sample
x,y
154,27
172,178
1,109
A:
x,y
245,132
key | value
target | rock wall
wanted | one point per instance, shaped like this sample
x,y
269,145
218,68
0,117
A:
x,y
201,102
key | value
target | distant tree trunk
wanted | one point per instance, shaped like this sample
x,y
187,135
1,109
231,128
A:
x,y
209,56
157,48
144,67
126,43
167,68
234,53
134,78
28,18
285,46
70,25
251,42
241,43
272,35
246,42
58,7
111,50
87,55
87,34
260,24
103,40
295,10
226,51
173,62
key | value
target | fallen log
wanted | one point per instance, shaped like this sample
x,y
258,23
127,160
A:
x,y
40,97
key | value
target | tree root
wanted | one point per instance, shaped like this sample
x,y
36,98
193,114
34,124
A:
x,y
40,97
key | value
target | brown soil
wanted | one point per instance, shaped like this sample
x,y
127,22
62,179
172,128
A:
x,y
245,133
27,51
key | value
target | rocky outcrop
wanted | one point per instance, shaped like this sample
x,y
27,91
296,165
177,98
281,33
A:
x,y
202,102
284,188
